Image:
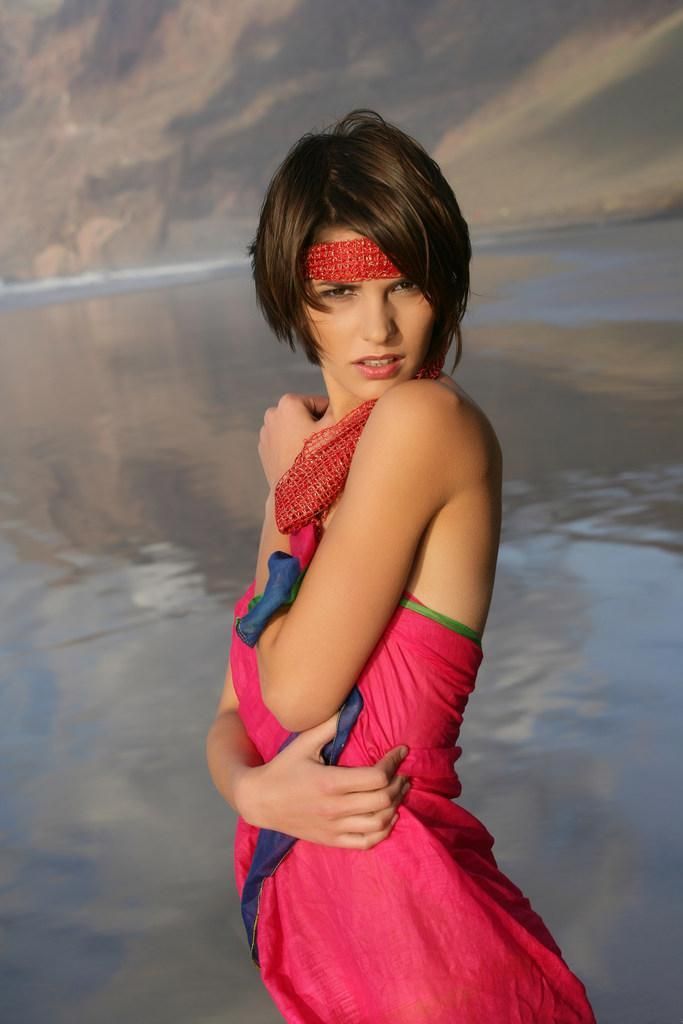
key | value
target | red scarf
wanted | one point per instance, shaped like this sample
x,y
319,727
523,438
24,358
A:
x,y
317,476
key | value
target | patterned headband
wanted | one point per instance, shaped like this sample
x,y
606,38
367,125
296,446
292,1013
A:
x,y
356,259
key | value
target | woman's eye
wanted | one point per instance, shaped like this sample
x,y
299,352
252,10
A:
x,y
334,293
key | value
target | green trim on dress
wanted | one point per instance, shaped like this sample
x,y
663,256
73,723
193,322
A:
x,y
445,620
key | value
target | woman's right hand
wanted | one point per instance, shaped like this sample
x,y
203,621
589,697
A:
x,y
298,794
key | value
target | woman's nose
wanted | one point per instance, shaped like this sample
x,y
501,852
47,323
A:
x,y
377,320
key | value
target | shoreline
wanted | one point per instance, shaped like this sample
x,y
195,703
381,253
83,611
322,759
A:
x,y
33,293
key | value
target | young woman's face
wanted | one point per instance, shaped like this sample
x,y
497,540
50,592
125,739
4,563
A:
x,y
380,317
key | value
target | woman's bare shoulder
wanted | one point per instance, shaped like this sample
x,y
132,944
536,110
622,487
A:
x,y
463,433
474,427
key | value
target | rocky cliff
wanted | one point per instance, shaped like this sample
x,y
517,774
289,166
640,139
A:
x,y
137,132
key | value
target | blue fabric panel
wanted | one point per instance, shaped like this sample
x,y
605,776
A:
x,y
284,570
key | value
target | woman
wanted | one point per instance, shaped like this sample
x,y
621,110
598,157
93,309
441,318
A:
x,y
360,636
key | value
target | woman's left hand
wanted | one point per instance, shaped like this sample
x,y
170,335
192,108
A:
x,y
285,428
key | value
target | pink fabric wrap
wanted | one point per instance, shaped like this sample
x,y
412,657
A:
x,y
423,928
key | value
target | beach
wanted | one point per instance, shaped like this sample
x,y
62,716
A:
x,y
131,499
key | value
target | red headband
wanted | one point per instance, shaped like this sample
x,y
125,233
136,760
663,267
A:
x,y
355,259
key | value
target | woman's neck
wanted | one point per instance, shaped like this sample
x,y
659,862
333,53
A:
x,y
340,401
340,405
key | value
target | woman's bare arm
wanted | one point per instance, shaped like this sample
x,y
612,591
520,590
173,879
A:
x,y
419,446
230,753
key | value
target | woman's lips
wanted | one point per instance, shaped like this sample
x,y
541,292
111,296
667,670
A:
x,y
380,372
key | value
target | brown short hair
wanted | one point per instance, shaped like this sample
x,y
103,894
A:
x,y
368,175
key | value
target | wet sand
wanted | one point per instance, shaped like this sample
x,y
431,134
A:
x,y
130,503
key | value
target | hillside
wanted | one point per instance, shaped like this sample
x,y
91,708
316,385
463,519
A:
x,y
132,133
592,131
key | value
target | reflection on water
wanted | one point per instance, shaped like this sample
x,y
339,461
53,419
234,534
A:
x,y
130,502
629,271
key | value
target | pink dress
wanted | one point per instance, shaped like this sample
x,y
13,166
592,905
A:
x,y
423,928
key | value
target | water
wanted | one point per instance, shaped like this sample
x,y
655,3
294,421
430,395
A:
x,y
130,504
49,290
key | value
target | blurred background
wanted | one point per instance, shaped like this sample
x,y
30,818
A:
x,y
133,131
136,142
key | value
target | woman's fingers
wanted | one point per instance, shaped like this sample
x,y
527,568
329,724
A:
x,y
375,801
316,404
366,823
363,830
361,778
346,805
364,840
